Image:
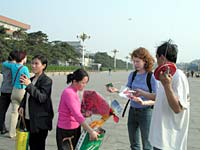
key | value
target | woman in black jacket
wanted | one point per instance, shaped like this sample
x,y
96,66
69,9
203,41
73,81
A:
x,y
36,106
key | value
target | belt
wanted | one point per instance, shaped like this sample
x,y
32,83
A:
x,y
141,109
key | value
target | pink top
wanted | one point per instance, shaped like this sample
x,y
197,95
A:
x,y
70,116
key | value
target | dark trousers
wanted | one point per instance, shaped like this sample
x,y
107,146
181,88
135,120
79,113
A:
x,y
37,141
74,134
154,148
5,100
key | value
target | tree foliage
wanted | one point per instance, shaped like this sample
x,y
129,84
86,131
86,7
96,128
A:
x,y
36,43
108,61
57,51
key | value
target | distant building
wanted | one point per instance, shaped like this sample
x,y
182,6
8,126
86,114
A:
x,y
88,62
12,25
76,45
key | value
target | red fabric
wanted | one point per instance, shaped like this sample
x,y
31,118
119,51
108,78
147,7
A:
x,y
93,103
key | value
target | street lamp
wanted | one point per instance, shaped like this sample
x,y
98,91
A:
x,y
83,37
88,57
127,57
115,51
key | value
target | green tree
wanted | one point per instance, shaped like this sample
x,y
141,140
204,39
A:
x,y
37,38
64,52
20,35
104,59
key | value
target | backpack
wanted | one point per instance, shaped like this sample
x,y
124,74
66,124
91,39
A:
x,y
148,79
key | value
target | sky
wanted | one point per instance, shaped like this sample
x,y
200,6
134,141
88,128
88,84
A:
x,y
114,24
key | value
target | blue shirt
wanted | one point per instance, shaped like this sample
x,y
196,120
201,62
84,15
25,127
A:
x,y
140,82
14,68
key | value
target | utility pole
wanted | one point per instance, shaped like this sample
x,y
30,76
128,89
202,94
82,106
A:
x,y
115,51
83,37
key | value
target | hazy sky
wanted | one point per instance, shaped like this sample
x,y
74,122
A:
x,y
114,24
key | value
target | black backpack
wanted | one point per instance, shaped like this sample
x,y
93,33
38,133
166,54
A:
x,y
148,79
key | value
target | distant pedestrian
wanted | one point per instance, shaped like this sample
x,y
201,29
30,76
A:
x,y
109,70
6,89
187,74
170,118
36,106
70,117
18,91
192,73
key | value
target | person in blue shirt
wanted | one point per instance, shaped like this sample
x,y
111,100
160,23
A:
x,y
140,111
17,70
6,88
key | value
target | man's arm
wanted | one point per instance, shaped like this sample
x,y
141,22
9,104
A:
x,y
173,100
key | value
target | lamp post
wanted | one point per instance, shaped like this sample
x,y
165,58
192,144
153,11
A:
x,y
83,37
115,51
127,57
88,57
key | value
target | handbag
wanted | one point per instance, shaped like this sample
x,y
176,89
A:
x,y
22,135
17,94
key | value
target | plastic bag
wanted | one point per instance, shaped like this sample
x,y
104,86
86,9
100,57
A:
x,y
85,144
22,136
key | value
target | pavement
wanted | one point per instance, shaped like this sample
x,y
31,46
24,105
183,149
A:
x,y
116,137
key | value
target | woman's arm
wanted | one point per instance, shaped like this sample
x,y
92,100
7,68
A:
x,y
7,64
93,134
141,102
147,95
40,93
112,90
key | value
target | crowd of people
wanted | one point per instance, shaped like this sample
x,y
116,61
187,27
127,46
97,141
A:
x,y
158,113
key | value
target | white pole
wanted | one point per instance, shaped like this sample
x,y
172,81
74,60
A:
x,y
83,53
83,37
115,51
115,61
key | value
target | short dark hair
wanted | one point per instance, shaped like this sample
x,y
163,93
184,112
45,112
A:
x,y
43,60
20,56
12,55
168,50
77,75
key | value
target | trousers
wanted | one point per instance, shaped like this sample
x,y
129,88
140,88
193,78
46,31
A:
x,y
16,97
64,133
138,128
5,100
37,140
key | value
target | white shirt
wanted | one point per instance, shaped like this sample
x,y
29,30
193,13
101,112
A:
x,y
169,130
27,116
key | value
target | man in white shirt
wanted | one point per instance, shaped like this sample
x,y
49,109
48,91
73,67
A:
x,y
170,117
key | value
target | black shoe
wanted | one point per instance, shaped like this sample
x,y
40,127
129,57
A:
x,y
4,131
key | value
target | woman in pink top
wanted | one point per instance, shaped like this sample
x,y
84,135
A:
x,y
70,117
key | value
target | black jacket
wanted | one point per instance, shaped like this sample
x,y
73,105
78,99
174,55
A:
x,y
40,105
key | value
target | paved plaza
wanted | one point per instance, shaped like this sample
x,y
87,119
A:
x,y
116,133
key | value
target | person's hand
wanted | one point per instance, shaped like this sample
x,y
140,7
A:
x,y
112,89
93,135
21,110
139,92
25,80
165,79
138,100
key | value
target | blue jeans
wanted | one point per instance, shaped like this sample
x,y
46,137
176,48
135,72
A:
x,y
138,128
